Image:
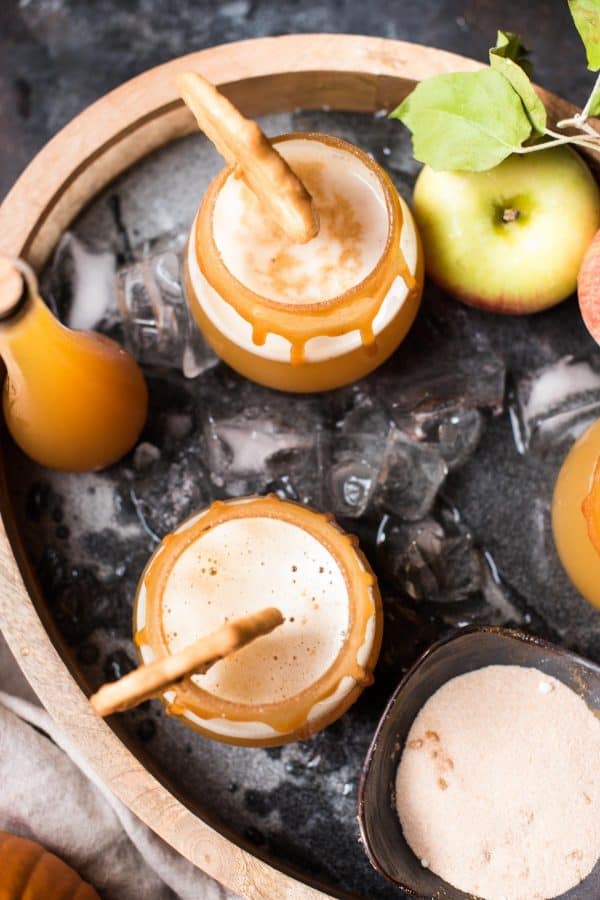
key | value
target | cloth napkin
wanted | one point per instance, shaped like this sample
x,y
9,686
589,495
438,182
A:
x,y
49,793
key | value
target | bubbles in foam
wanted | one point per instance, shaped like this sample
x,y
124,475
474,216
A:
x,y
243,565
352,236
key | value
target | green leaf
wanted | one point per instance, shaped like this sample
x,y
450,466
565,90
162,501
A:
x,y
510,46
508,58
464,121
586,15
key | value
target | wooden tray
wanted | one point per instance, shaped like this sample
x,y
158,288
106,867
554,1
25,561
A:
x,y
262,76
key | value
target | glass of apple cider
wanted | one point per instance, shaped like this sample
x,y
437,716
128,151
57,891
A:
x,y
576,514
235,558
311,316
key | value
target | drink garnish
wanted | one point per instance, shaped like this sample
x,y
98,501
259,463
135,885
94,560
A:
x,y
245,146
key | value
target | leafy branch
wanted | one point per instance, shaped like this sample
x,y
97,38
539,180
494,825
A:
x,y
471,121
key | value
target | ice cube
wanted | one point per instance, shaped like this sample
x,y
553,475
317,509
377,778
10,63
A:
x,y
143,301
367,420
422,560
458,435
303,465
351,482
473,381
157,324
456,430
374,463
263,440
357,451
436,561
553,405
80,285
410,477
239,450
168,491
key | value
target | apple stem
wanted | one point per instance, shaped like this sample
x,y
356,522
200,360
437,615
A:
x,y
510,215
579,120
586,109
591,143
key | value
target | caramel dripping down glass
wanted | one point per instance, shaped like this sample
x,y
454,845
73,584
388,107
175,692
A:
x,y
354,312
321,697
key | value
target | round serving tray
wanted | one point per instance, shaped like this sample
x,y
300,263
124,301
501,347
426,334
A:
x,y
263,76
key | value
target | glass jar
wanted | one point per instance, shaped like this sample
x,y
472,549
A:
x,y
306,317
575,499
239,556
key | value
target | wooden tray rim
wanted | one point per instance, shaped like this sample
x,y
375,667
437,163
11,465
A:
x,y
350,72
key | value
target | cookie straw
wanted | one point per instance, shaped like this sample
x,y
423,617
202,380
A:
x,y
245,146
148,680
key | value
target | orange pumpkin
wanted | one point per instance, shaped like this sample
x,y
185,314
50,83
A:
x,y
28,872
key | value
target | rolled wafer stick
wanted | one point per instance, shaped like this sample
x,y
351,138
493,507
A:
x,y
244,145
148,680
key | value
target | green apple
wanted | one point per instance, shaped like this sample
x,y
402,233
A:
x,y
509,240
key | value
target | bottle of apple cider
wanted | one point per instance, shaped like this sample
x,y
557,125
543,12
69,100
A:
x,y
72,400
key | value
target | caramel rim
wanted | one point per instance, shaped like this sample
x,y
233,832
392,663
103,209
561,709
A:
x,y
290,714
353,310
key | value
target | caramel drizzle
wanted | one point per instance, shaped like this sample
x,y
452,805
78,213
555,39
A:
x,y
299,323
188,697
399,268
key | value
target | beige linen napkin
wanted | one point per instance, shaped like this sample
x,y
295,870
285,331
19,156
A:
x,y
49,793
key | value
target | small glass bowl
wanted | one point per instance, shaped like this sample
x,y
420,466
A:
x,y
469,649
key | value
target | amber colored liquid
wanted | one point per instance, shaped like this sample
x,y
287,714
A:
x,y
353,311
72,400
575,549
309,377
161,588
324,375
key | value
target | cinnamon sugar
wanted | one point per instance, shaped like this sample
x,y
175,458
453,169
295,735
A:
x,y
498,788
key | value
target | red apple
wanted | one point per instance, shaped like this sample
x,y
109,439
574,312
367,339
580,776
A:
x,y
588,288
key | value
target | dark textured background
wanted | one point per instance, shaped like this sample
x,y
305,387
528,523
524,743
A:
x,y
57,56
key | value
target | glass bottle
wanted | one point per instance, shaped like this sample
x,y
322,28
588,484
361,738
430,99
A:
x,y
575,513
72,400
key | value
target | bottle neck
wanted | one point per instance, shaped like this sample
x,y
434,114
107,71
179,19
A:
x,y
29,334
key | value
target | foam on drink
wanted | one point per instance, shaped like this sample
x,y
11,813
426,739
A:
x,y
235,558
353,231
239,567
